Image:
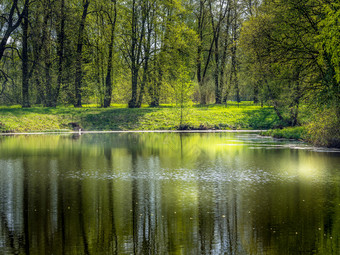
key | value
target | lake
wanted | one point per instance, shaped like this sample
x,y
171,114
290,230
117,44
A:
x,y
167,193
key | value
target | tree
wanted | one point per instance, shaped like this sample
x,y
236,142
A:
x,y
13,15
279,42
10,20
25,78
218,24
234,65
108,80
329,48
79,51
182,86
60,49
137,11
201,25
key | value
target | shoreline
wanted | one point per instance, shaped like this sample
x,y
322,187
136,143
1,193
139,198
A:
x,y
311,147
133,131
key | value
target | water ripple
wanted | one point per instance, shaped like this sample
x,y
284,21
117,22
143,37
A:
x,y
187,175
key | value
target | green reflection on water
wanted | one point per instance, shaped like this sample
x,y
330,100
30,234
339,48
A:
x,y
166,193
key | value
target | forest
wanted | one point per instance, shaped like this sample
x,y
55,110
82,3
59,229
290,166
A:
x,y
279,53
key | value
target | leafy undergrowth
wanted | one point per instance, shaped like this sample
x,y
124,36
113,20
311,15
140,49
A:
x,y
118,117
297,133
324,129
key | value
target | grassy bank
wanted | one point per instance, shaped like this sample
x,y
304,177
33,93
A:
x,y
118,117
296,133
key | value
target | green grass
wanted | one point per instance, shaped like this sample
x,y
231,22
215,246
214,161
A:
x,y
118,117
297,133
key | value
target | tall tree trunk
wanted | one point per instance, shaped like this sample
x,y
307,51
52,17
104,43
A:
x,y
48,82
134,57
40,89
79,71
46,45
223,60
228,86
217,73
144,81
108,80
156,87
60,52
25,77
134,83
146,49
234,64
233,73
224,9
199,72
99,71
256,92
222,80
40,50
200,79
136,50
155,84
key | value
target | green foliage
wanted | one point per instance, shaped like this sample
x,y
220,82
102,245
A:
x,y
297,133
291,53
329,38
324,130
182,91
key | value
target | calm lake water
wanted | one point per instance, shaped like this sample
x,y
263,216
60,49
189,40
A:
x,y
167,193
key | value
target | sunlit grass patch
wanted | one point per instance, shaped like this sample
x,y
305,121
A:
x,y
118,117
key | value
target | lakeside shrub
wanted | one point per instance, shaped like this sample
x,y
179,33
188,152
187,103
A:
x,y
324,130
297,133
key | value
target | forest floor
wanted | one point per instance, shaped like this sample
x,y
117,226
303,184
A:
x,y
243,116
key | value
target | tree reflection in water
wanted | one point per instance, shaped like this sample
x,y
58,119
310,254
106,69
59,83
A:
x,y
166,193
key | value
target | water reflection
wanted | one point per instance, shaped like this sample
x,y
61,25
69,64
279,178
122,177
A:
x,y
166,194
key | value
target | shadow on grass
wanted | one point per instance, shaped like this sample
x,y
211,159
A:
x,y
119,117
36,110
263,118
115,118
87,118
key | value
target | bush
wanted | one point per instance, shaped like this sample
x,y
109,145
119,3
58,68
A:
x,y
324,130
3,128
297,133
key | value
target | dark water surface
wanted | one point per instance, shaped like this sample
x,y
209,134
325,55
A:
x,y
167,193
